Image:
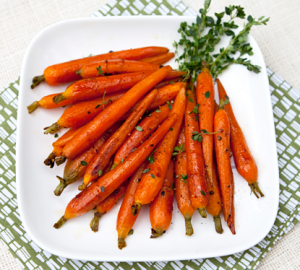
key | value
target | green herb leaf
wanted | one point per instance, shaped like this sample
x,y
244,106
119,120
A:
x,y
152,175
138,128
202,192
169,105
131,232
100,173
83,163
102,189
146,170
99,71
158,111
56,135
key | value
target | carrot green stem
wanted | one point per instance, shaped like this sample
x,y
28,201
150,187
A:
x,y
82,187
218,224
59,98
60,160
156,233
37,80
32,107
255,189
188,226
49,161
95,221
59,223
114,166
52,129
202,212
78,72
61,186
121,243
221,105
136,208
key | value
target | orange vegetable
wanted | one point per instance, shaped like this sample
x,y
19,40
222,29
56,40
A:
x,y
222,147
205,98
118,66
126,219
66,72
153,178
96,87
93,130
111,146
148,125
244,161
182,192
159,59
161,208
195,162
99,190
106,205
81,113
76,168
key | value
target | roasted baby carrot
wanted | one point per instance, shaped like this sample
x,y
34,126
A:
x,y
153,177
106,205
118,66
231,219
126,219
99,190
47,103
161,208
66,72
182,192
94,129
195,161
115,141
222,148
205,98
96,87
159,59
147,127
214,206
76,168
244,161
81,113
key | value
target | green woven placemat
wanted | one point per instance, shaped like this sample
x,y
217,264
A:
x,y
286,107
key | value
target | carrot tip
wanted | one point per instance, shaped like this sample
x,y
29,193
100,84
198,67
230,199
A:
x,y
37,80
218,224
255,189
32,107
59,223
188,226
52,129
60,160
82,187
202,212
231,226
95,222
59,98
136,208
121,243
156,233
49,161
61,186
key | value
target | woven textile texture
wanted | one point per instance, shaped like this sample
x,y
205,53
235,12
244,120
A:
x,y
284,99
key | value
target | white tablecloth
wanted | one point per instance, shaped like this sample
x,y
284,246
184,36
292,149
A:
x,y
21,20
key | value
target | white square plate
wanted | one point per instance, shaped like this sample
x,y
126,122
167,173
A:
x,y
40,208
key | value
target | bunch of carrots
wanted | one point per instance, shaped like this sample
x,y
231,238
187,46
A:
x,y
137,130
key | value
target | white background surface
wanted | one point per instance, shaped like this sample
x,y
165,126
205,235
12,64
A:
x,y
21,20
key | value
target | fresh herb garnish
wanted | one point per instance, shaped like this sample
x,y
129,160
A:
x,y
178,150
102,189
138,128
99,71
83,163
100,173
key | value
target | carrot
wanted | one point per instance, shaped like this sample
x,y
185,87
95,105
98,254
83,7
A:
x,y
111,146
159,59
181,184
106,205
76,168
66,72
205,98
118,66
162,207
99,190
244,161
47,103
222,147
153,177
231,219
214,206
58,146
81,113
125,219
96,87
196,172
94,129
148,125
